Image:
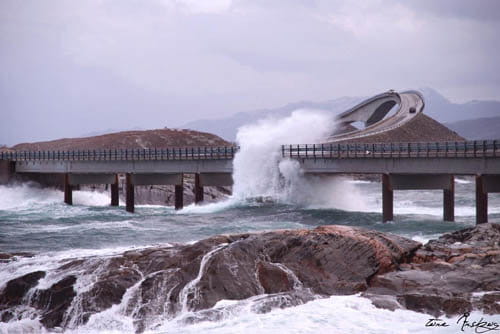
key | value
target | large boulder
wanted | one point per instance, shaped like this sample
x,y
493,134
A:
x,y
293,265
14,292
454,274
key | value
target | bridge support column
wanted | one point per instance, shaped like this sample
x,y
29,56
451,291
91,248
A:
x,y
481,201
68,190
449,201
179,194
129,200
115,198
7,170
198,189
387,199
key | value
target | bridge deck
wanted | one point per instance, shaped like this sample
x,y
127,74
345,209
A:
x,y
473,157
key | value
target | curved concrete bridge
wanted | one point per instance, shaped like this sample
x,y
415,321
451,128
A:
x,y
373,111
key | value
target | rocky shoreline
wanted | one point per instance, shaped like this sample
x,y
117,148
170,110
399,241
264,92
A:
x,y
147,194
165,194
456,273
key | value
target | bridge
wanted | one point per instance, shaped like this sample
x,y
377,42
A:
x,y
405,166
402,165
373,111
212,166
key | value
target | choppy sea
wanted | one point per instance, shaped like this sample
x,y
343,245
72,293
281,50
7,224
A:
x,y
36,220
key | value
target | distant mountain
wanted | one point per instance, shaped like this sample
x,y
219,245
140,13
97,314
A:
x,y
442,110
436,106
476,129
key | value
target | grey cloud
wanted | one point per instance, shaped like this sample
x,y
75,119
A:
x,y
472,9
69,68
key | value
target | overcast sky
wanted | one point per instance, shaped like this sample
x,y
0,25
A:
x,y
72,67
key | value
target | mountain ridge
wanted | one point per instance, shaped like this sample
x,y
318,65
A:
x,y
483,128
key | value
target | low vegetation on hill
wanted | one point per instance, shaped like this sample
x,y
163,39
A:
x,y
159,138
422,128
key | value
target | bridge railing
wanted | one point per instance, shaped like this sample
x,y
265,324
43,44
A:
x,y
181,153
468,149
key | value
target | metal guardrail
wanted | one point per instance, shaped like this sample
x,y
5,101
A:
x,y
468,149
182,153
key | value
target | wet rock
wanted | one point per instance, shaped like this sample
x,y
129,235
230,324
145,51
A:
x,y
289,267
435,304
108,291
8,257
446,275
55,301
17,288
327,260
384,301
456,273
257,304
488,302
273,279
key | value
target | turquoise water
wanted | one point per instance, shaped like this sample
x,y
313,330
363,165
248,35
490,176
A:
x,y
36,220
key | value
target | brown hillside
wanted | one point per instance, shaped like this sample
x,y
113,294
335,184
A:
x,y
160,138
422,128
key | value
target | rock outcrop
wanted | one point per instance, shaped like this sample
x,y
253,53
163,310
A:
x,y
165,194
453,274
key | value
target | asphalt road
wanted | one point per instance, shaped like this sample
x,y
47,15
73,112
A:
x,y
407,101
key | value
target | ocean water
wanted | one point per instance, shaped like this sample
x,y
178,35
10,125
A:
x,y
36,220
268,194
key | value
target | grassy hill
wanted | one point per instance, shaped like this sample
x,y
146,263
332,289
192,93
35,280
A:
x,y
159,138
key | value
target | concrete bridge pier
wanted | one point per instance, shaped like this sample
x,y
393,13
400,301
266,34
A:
x,y
449,201
387,199
7,170
145,179
202,180
72,181
179,196
198,189
485,184
68,190
129,193
391,182
115,197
